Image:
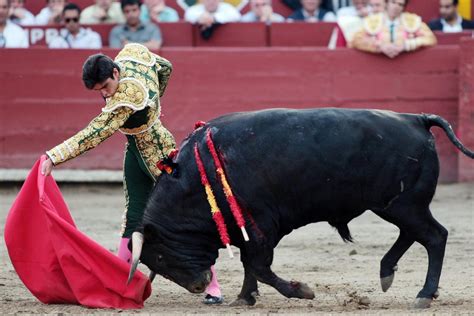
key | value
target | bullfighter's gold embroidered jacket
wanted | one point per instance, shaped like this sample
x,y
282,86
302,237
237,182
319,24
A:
x,y
134,110
408,30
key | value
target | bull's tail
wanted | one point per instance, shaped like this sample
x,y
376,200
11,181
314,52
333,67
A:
x,y
435,120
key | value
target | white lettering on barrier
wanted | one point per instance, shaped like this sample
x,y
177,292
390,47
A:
x,y
36,35
50,34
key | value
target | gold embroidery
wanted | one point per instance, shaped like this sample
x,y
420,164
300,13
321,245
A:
x,y
411,22
130,93
154,145
144,77
98,130
373,24
137,53
153,117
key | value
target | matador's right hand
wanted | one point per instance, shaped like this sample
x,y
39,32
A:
x,y
47,167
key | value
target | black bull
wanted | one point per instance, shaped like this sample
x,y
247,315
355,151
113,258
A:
x,y
289,168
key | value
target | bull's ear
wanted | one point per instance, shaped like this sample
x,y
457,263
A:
x,y
150,233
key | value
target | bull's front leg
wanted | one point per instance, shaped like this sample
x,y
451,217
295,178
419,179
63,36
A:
x,y
289,289
260,267
249,290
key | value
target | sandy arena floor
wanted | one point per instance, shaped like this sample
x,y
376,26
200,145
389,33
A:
x,y
343,276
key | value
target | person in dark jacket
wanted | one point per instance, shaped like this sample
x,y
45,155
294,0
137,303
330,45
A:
x,y
450,21
312,11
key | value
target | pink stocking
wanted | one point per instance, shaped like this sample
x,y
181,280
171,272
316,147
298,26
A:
x,y
123,252
213,288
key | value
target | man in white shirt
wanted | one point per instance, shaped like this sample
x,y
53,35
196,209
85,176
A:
x,y
211,11
350,18
75,36
262,11
51,14
11,35
360,8
19,15
103,11
450,21
312,11
338,4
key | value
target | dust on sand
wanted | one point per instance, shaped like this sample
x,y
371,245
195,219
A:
x,y
344,277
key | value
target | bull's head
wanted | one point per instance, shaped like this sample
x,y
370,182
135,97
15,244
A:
x,y
192,273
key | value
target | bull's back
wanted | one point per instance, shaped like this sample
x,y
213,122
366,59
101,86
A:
x,y
320,163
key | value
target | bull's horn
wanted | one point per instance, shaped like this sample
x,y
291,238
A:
x,y
152,276
137,244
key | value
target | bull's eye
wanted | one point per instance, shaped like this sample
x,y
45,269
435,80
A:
x,y
160,257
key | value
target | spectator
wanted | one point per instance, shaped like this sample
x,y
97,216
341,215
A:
x,y
210,12
19,15
157,11
328,5
377,6
336,5
450,21
103,11
51,14
133,31
312,11
11,35
393,32
75,36
360,9
262,11
349,19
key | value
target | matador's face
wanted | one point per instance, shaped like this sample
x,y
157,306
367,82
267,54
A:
x,y
109,86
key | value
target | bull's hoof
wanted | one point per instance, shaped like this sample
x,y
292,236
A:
x,y
249,300
436,294
422,302
302,290
243,302
386,282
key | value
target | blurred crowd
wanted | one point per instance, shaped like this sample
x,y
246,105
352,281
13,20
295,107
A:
x,y
378,26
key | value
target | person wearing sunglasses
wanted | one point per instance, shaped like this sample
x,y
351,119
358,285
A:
x,y
450,21
11,35
73,35
51,14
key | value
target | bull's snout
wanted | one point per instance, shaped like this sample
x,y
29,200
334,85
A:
x,y
200,285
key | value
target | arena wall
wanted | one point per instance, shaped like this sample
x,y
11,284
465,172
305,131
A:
x,y
43,101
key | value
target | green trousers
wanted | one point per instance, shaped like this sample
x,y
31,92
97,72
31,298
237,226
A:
x,y
137,183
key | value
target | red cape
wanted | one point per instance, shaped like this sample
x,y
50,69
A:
x,y
57,262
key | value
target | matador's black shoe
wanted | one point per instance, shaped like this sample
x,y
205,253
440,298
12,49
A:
x,y
213,300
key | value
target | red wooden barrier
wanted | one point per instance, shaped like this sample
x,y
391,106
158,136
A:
x,y
45,96
300,34
452,38
466,107
234,35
